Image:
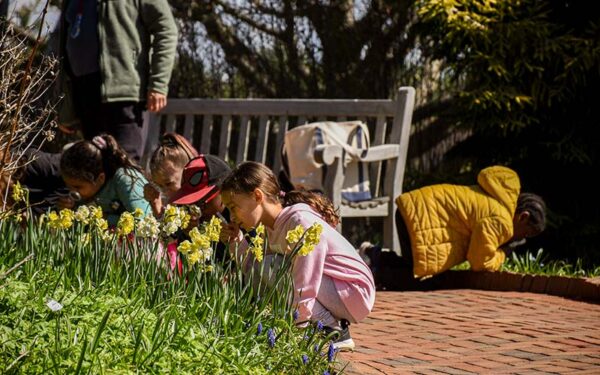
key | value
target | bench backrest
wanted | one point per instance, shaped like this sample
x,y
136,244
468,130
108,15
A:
x,y
254,129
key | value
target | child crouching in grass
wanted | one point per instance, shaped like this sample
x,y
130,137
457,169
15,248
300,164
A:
x,y
101,173
332,284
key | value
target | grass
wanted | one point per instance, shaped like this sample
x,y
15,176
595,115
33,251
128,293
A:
x,y
540,264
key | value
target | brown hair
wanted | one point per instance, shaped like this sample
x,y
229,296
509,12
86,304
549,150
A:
x,y
87,159
175,148
252,175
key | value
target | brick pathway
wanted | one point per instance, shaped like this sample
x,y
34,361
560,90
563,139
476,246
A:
x,y
472,331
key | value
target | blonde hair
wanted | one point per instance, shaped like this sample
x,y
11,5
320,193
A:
x,y
173,148
248,176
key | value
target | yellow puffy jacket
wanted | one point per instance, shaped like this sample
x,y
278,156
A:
x,y
449,224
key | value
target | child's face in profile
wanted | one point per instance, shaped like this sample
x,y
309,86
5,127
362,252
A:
x,y
522,228
243,208
208,210
168,178
86,189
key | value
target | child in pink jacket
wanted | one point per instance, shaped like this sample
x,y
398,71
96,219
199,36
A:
x,y
332,284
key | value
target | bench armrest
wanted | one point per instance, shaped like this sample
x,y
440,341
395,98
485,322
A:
x,y
382,152
326,154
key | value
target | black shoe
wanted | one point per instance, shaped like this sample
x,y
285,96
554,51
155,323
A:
x,y
342,341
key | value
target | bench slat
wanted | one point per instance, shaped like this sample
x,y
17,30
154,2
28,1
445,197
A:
x,y
170,124
283,127
378,139
206,131
188,126
225,138
243,140
263,139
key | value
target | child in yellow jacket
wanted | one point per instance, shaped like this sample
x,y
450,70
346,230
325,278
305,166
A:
x,y
444,225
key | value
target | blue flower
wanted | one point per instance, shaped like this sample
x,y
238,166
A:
x,y
271,337
326,372
331,353
304,358
316,348
295,315
319,325
259,329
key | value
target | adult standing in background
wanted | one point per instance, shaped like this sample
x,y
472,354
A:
x,y
118,56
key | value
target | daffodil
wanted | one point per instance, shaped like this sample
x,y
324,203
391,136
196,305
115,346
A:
x,y
148,227
311,239
213,229
185,247
100,223
173,219
126,224
138,213
18,192
61,220
96,212
295,234
82,214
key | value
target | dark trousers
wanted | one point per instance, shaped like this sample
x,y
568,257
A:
x,y
405,246
123,120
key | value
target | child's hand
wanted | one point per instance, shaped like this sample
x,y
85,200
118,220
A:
x,y
65,202
230,233
152,195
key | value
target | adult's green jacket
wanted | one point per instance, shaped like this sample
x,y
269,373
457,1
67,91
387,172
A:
x,y
137,42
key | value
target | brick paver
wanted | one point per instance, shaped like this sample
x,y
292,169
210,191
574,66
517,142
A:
x,y
472,331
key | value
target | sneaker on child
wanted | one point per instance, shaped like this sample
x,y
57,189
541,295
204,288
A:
x,y
342,341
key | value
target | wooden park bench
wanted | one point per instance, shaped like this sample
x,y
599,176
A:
x,y
254,129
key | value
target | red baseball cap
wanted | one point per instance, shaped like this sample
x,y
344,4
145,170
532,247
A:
x,y
200,179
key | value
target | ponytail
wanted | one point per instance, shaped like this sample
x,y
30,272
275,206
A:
x,y
87,159
317,201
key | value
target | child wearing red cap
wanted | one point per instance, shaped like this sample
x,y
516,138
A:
x,y
200,186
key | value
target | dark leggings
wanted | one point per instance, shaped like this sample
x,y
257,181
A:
x,y
405,246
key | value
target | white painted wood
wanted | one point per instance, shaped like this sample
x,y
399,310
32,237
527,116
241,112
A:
x,y
263,139
283,124
170,124
207,125
243,140
188,127
225,138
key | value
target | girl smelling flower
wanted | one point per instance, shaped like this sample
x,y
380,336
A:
x,y
332,284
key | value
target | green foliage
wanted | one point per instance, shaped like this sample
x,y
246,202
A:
x,y
539,264
125,311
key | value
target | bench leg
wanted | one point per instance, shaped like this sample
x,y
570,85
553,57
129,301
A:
x,y
391,241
